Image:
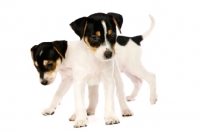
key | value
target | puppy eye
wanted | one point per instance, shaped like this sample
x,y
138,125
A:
x,y
49,66
113,35
94,38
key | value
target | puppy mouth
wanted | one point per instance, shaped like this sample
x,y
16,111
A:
x,y
102,58
47,82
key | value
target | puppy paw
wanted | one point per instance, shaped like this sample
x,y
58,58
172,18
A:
x,y
49,111
90,111
153,99
130,98
73,117
127,112
80,123
111,120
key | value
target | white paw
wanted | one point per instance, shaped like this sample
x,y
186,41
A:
x,y
127,112
48,111
90,111
110,120
80,123
130,98
153,99
73,117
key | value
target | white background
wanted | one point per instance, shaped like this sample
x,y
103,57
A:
x,y
171,52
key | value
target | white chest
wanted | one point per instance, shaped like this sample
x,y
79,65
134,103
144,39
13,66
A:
x,y
93,79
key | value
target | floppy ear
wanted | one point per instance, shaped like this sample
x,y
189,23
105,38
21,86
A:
x,y
33,49
60,47
79,26
117,18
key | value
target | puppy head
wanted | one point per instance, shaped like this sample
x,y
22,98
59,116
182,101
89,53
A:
x,y
99,33
47,57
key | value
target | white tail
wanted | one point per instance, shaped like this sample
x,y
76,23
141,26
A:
x,y
150,29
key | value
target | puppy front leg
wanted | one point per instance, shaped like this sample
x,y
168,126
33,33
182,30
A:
x,y
81,116
93,99
110,118
62,90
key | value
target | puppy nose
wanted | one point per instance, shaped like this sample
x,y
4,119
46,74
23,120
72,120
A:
x,y
44,82
108,54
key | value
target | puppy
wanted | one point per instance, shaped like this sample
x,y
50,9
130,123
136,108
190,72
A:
x,y
94,62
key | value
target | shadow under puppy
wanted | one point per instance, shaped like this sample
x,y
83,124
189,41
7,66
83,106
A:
x,y
50,57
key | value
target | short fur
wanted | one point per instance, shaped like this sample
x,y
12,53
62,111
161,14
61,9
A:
x,y
127,59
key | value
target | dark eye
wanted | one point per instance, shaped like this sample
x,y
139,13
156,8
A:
x,y
94,38
49,66
113,35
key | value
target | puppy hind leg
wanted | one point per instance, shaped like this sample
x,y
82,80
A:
x,y
120,92
137,85
149,77
93,99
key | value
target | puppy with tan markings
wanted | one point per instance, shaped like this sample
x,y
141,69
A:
x,y
59,56
95,61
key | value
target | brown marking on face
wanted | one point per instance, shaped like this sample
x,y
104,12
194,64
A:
x,y
35,62
88,44
117,25
110,32
55,64
45,62
85,28
98,33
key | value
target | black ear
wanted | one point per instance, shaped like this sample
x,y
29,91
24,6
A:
x,y
117,18
79,26
60,47
33,49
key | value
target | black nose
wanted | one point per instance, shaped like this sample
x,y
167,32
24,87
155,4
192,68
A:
x,y
108,54
44,82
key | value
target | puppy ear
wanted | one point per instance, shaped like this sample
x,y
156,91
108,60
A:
x,y
118,20
60,47
79,26
33,49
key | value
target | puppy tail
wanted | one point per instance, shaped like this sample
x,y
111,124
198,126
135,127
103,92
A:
x,y
150,29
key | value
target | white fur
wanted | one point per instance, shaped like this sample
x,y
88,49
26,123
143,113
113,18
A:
x,y
87,69
41,52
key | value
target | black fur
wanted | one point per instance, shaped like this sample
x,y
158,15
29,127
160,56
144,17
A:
x,y
78,26
137,39
61,46
93,24
123,40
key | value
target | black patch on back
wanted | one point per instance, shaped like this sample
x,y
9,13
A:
x,y
137,39
122,40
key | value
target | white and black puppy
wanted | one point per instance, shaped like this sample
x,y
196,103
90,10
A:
x,y
94,61
50,57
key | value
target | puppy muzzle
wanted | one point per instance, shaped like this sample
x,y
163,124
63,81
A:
x,y
108,54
